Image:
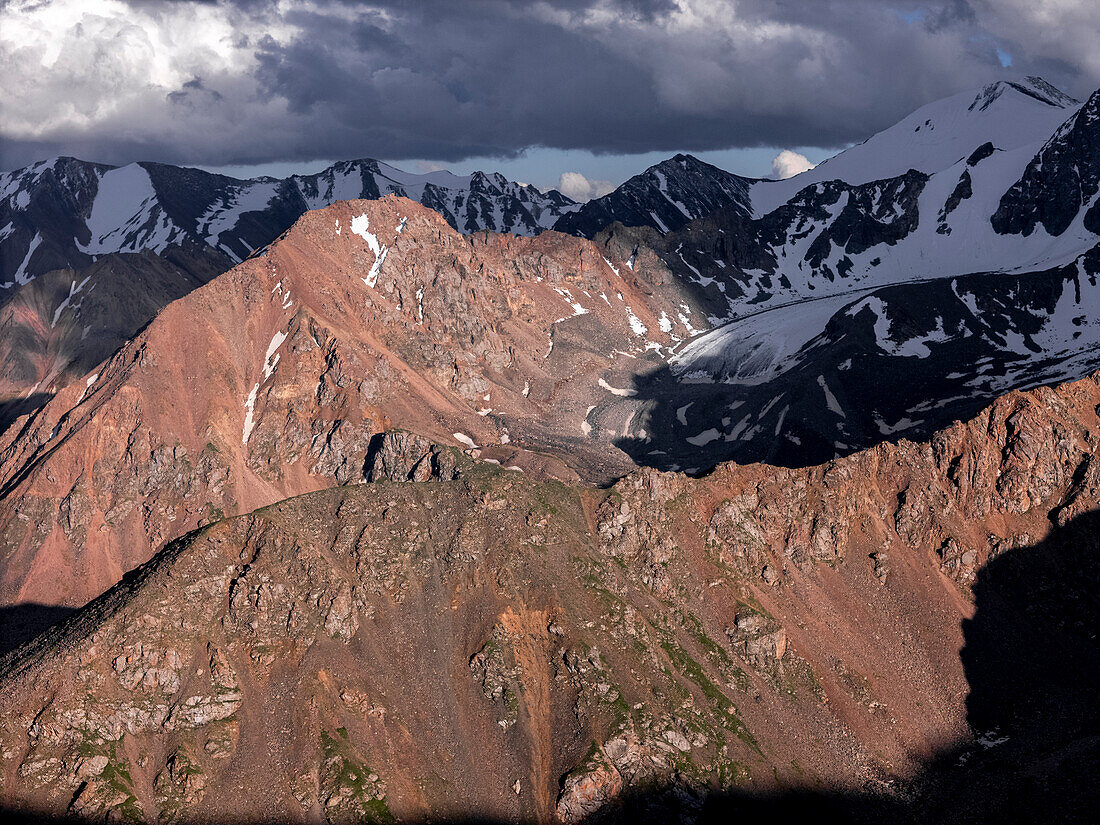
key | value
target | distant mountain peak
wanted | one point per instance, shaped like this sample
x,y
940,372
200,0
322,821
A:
x,y
665,196
1031,86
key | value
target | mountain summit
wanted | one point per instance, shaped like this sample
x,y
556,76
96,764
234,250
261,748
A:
x,y
284,374
665,196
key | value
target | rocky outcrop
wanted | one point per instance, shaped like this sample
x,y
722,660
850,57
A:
x,y
589,788
401,456
755,639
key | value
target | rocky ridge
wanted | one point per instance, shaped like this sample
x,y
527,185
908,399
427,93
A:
x,y
63,213
749,631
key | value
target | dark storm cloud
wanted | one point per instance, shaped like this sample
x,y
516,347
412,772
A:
x,y
261,81
448,85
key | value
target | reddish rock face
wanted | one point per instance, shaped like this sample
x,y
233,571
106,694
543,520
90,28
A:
x,y
273,380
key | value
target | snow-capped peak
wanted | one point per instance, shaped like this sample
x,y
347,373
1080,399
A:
x,y
1031,86
1010,114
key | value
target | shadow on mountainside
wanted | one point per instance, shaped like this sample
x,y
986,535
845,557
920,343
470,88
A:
x,y
1032,659
20,623
789,421
864,367
13,408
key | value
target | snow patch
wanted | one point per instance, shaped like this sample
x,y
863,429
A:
x,y
360,225
902,424
225,213
372,276
462,438
616,391
269,365
782,416
830,399
704,437
249,407
659,222
635,324
74,289
21,273
126,215
87,386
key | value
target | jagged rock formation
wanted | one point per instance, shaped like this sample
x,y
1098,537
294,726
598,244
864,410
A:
x,y
351,654
400,456
64,212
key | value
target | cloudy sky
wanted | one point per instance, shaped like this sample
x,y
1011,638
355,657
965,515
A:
x,y
581,93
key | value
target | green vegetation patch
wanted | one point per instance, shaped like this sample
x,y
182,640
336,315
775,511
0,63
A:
x,y
357,789
719,702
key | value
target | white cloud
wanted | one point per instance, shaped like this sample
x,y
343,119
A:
x,y
787,164
75,65
576,186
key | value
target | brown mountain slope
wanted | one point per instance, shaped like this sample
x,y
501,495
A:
x,y
273,380
505,647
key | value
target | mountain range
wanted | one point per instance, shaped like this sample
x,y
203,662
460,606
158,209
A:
x,y
848,310
682,498
89,253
